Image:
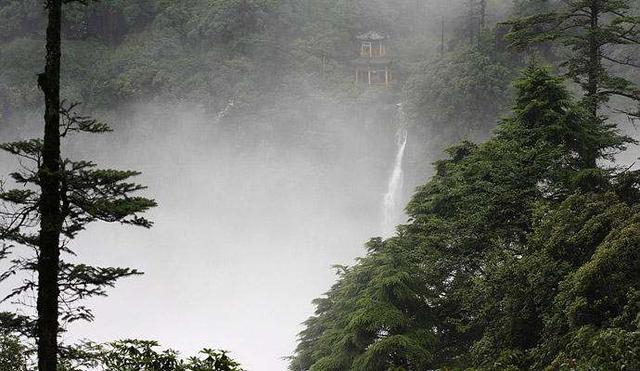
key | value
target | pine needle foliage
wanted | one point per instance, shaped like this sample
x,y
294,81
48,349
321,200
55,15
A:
x,y
595,36
520,253
89,194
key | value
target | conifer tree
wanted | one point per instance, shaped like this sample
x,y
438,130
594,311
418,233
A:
x,y
87,194
375,318
595,33
49,182
58,198
504,238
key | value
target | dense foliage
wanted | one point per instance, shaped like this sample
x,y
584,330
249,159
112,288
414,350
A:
x,y
11,354
204,51
142,355
518,255
460,94
595,35
123,355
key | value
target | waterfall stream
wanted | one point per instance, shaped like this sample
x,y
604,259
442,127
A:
x,y
225,110
392,199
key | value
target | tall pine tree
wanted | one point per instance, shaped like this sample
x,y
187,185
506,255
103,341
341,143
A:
x,y
59,197
595,33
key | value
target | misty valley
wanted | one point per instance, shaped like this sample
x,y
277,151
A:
x,y
319,185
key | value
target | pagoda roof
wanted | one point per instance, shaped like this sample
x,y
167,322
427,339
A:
x,y
372,35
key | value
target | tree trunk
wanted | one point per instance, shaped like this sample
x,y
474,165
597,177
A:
x,y
483,15
593,74
50,213
442,38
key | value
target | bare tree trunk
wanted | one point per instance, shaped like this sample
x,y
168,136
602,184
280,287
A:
x,y
470,28
442,38
50,213
595,62
483,15
593,73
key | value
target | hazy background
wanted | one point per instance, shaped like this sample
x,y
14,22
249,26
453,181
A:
x,y
250,219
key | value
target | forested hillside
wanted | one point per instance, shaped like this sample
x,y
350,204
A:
x,y
517,255
202,51
283,62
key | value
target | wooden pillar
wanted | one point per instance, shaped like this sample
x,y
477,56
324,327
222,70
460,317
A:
x,y
442,38
369,77
324,66
386,76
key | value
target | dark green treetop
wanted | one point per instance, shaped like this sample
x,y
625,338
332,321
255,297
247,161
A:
x,y
595,35
504,248
375,318
143,355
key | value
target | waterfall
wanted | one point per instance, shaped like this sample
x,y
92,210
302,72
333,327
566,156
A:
x,y
224,111
392,209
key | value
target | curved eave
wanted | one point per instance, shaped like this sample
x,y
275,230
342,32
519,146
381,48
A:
x,y
372,36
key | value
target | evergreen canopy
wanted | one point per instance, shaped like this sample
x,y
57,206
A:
x,y
517,255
